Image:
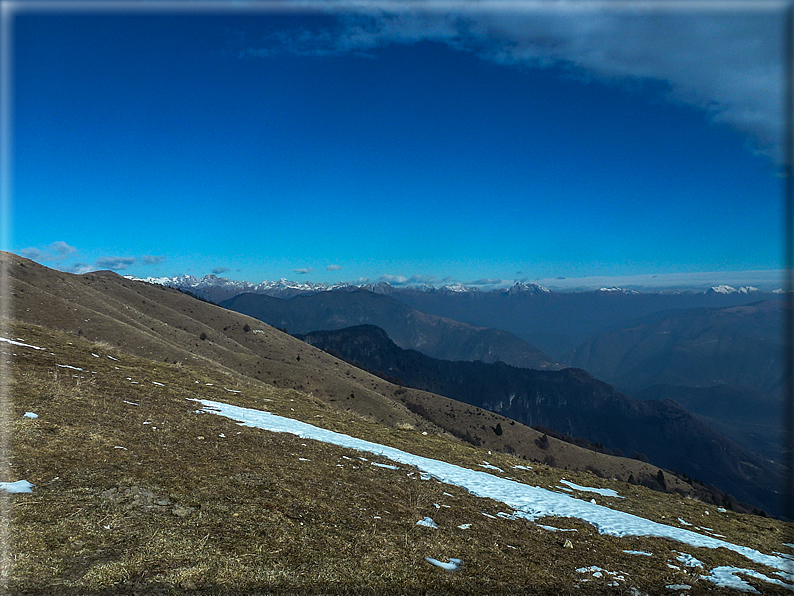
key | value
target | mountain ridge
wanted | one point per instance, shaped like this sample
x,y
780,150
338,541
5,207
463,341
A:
x,y
572,402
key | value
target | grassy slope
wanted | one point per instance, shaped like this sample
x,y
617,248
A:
x,y
181,508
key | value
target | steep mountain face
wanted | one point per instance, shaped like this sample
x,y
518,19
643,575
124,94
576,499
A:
x,y
409,328
558,322
738,346
570,401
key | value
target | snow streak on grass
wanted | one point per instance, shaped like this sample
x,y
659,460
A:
x,y
529,502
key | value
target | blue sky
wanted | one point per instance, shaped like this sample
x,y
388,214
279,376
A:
x,y
392,144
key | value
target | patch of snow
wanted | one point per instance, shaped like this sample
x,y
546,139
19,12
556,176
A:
x,y
488,466
488,515
158,384
727,577
19,343
427,522
120,447
678,587
20,486
95,355
604,492
388,466
638,552
683,522
722,509
30,415
453,565
688,560
464,526
553,529
529,502
565,488
232,390
111,357
68,366
132,404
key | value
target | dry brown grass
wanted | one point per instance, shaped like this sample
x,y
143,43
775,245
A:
x,y
150,498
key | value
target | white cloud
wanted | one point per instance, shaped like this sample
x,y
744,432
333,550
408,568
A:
x,y
333,268
78,268
61,248
35,254
56,251
723,58
393,279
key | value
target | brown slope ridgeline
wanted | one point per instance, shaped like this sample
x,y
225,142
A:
x,y
135,492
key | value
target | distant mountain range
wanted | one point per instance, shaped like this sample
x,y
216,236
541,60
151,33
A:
x,y
724,364
211,286
698,347
569,401
554,322
432,335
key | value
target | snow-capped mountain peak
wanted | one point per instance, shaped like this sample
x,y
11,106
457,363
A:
x,y
724,289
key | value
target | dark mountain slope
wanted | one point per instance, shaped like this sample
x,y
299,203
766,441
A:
x,y
435,336
572,402
745,415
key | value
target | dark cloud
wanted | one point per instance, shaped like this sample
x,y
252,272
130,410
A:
x,y
483,282
115,263
219,270
303,271
723,59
